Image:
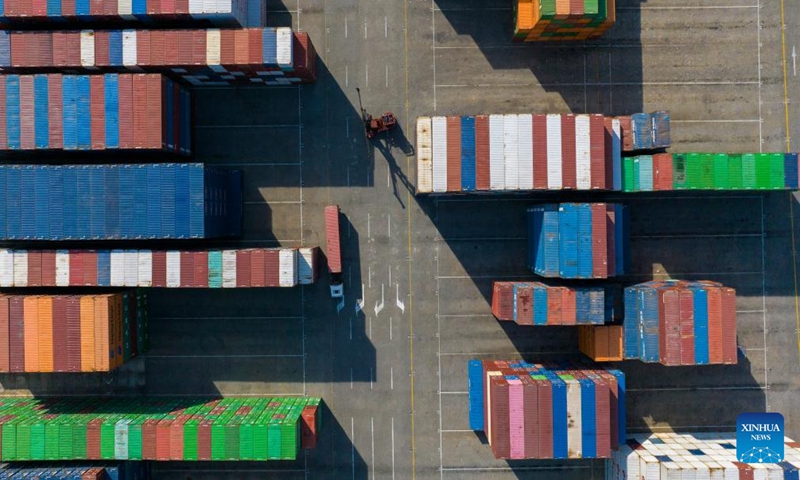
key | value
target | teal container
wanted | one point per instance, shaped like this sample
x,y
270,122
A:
x,y
679,171
646,173
215,269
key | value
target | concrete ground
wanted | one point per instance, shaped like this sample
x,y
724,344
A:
x,y
393,373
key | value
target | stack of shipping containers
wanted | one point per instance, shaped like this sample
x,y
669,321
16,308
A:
x,y
554,20
125,93
534,303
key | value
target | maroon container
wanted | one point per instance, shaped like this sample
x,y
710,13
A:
x,y
608,152
159,269
187,269
554,299
48,268
143,48
184,38
227,48
198,46
162,439
482,152
60,46
127,117
181,7
96,9
204,440
93,439
613,395
97,107
503,300
101,49
75,267
60,306
272,268
305,56
745,471
241,41
729,351
73,323
139,111
687,327
569,178
255,48
26,118
599,242
5,365
545,419
569,306
90,268
176,119
171,48
257,268
602,416
54,111
243,261
625,131
714,325
34,268
16,332
598,151
73,45
524,304
530,404
200,269
149,451
669,327
453,154
499,439
158,42
611,243
154,109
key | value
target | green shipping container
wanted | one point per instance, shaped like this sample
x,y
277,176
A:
x,y
627,174
547,9
694,176
762,171
721,171
37,439
777,179
707,171
749,171
735,171
679,171
590,7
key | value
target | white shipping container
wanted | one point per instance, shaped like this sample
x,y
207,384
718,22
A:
x,y
287,267
649,467
305,266
497,169
229,268
631,460
510,152
616,152
62,268
21,268
424,156
195,7
731,472
284,40
489,405
121,439
213,37
173,269
124,9
671,471
554,158
583,152
145,268
129,53
131,259
117,268
439,149
209,8
525,151
574,426
6,268
87,48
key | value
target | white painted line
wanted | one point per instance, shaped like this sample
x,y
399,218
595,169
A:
x,y
760,103
222,356
360,302
379,306
371,380
454,393
249,126
476,315
366,73
370,328
351,328
390,329
509,469
692,389
388,176
346,76
387,76
439,359
764,293
225,318
345,27
598,84
391,378
385,26
392,448
746,120
389,221
372,429
351,379
794,61
369,231
433,47
456,431
353,447
390,267
401,305
365,27
749,311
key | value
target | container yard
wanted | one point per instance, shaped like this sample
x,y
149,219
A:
x,y
416,265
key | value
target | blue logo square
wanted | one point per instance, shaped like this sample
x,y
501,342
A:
x,y
759,437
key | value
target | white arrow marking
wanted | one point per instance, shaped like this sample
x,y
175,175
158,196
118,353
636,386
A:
x,y
400,305
794,61
379,307
360,302
339,306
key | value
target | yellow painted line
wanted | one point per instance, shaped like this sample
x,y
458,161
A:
x,y
794,268
410,253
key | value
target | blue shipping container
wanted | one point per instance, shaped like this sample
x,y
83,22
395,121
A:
x,y
468,153
588,419
568,240
700,326
584,240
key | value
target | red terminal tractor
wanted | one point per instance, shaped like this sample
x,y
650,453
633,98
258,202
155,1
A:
x,y
374,126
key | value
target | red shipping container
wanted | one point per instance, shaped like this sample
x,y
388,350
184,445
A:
x,y
503,300
171,47
332,239
308,427
168,8
3,113
48,268
530,409
98,109
93,439
255,48
54,111
177,119
127,116
499,437
101,47
159,269
714,325
60,308
143,48
687,327
149,436
96,9
669,327
540,152
90,268
729,350
162,439
187,269
26,118
204,440
554,299
110,8
599,242
5,341
73,44
185,39
153,7
568,306
139,111
611,244
663,165
227,48
39,8
453,154
272,268
625,131
181,7
154,108
73,323
257,268
176,438
34,268
524,304
16,333
602,416
481,152
575,8
75,267
598,151
200,269
158,45
18,50
544,418
745,471
569,174
243,268
304,55
199,47
241,42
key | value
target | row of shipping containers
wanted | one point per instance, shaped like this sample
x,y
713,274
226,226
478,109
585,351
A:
x,y
710,171
67,471
579,240
198,56
234,268
71,333
58,13
534,411
163,429
94,112
678,322
558,20
125,201
677,455
534,303
517,153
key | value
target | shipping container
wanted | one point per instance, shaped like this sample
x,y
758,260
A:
x,y
424,156
152,429
546,411
174,201
197,57
562,20
68,471
521,302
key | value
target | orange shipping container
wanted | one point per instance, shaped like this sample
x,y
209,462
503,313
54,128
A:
x,y
45,334
118,355
525,19
101,347
87,334
5,338
31,329
601,343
